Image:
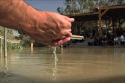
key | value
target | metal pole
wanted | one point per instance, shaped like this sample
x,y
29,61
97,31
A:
x,y
1,47
100,28
5,42
1,53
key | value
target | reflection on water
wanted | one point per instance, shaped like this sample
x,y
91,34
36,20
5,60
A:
x,y
5,65
74,65
54,75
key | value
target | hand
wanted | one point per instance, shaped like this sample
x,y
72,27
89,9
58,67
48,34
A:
x,y
50,28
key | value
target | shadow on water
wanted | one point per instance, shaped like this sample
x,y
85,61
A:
x,y
7,77
13,78
115,79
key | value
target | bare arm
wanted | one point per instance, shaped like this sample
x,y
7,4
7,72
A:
x,y
45,27
16,14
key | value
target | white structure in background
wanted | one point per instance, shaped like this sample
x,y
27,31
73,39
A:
x,y
11,41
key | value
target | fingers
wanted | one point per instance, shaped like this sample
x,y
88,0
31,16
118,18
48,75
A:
x,y
55,33
68,19
64,24
60,42
54,43
67,22
70,34
64,32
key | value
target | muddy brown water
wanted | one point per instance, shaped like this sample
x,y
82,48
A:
x,y
74,65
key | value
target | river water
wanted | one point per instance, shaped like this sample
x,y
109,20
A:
x,y
74,65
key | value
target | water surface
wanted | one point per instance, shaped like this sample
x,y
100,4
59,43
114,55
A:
x,y
74,65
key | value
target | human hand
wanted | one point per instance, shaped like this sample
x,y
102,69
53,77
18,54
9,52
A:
x,y
50,28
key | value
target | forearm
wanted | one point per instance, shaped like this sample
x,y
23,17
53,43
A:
x,y
16,14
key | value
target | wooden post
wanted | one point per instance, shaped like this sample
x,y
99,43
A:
x,y
113,24
122,22
31,48
61,50
82,23
79,28
119,22
100,31
61,46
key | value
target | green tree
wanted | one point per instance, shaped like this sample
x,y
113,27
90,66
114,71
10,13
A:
x,y
10,35
83,6
71,7
91,5
1,31
108,2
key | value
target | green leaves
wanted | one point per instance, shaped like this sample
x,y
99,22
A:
x,y
1,31
83,6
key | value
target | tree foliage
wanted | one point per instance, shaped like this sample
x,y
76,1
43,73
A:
x,y
10,35
25,40
83,6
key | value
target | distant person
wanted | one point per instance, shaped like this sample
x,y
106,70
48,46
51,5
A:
x,y
90,42
111,41
116,41
95,41
74,41
68,43
121,29
104,32
82,32
122,41
100,41
44,27
105,40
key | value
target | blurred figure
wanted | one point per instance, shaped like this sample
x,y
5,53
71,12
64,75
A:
x,y
100,41
115,41
111,41
95,41
90,43
82,32
122,40
105,40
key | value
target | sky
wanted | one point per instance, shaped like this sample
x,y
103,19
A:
x,y
46,5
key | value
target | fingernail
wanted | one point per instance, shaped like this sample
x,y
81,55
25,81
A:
x,y
71,34
71,18
69,29
69,39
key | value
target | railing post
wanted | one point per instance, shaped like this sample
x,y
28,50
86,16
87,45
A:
x,y
1,47
5,42
31,48
1,51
